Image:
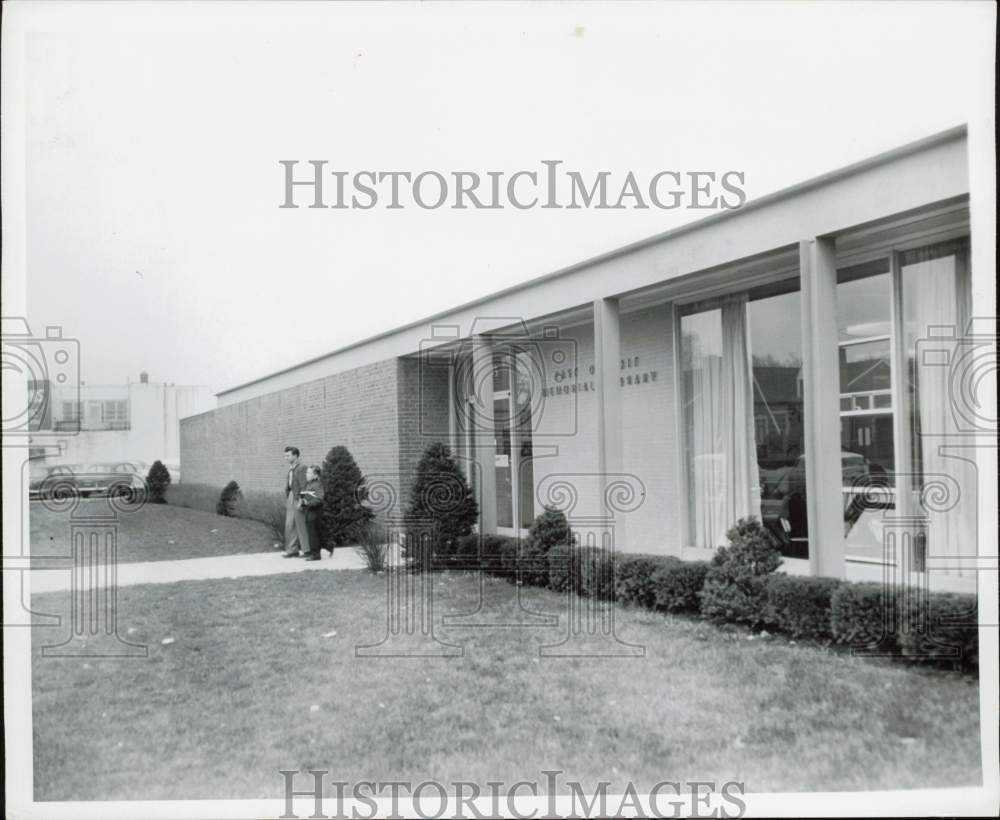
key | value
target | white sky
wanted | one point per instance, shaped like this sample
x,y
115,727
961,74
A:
x,y
153,184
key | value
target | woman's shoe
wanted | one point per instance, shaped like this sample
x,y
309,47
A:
x,y
290,554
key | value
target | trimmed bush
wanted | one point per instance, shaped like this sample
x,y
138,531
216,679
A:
x,y
441,499
634,578
193,496
266,507
735,587
562,569
228,499
861,616
597,572
800,605
344,514
943,629
481,552
510,553
549,529
157,482
678,584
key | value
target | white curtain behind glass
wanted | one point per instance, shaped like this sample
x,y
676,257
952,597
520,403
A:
x,y
723,456
931,297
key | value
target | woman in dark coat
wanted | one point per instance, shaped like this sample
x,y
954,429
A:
x,y
311,500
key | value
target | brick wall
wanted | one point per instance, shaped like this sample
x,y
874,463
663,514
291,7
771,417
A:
x,y
423,414
244,441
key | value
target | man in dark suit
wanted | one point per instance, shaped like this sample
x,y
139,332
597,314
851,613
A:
x,y
296,532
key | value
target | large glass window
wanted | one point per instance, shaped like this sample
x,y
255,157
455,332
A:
x,y
941,485
867,446
722,484
776,363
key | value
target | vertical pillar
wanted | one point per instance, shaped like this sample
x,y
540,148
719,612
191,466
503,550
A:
x,y
821,380
481,418
607,373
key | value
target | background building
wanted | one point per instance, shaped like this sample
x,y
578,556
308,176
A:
x,y
138,421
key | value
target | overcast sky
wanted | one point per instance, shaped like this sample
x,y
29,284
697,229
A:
x,y
154,232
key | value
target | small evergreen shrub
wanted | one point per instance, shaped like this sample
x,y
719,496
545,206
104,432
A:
x,y
493,547
157,482
344,514
735,587
678,585
510,554
597,572
550,528
193,496
634,578
861,616
228,499
943,628
800,605
442,500
561,568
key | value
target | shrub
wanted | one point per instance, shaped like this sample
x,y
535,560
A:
x,y
228,499
372,545
800,605
735,586
510,553
549,529
861,615
481,552
193,496
943,628
157,482
441,499
563,574
344,493
597,572
678,584
266,507
634,578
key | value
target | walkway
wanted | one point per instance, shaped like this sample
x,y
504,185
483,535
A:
x,y
196,569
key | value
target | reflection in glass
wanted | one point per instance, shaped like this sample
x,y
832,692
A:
x,y
776,356
864,325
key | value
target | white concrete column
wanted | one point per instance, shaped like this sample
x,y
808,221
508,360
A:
x,y
607,375
480,416
821,384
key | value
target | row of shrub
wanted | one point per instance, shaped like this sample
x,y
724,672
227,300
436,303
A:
x,y
739,585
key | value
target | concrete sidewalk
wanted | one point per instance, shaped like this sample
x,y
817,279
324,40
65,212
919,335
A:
x,y
195,569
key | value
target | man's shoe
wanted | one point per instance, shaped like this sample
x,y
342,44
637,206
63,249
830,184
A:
x,y
312,557
290,554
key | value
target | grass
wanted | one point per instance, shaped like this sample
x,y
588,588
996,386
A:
x,y
219,711
155,532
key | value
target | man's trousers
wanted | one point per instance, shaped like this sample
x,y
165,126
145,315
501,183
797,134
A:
x,y
296,532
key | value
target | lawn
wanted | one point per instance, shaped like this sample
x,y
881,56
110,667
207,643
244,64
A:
x,y
154,532
253,683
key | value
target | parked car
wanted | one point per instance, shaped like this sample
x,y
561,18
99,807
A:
x,y
99,478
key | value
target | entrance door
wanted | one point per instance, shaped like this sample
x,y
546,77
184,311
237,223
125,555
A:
x,y
512,444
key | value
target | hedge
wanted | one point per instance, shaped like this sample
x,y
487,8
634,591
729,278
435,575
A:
x,y
634,582
857,615
678,585
800,605
943,629
860,616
